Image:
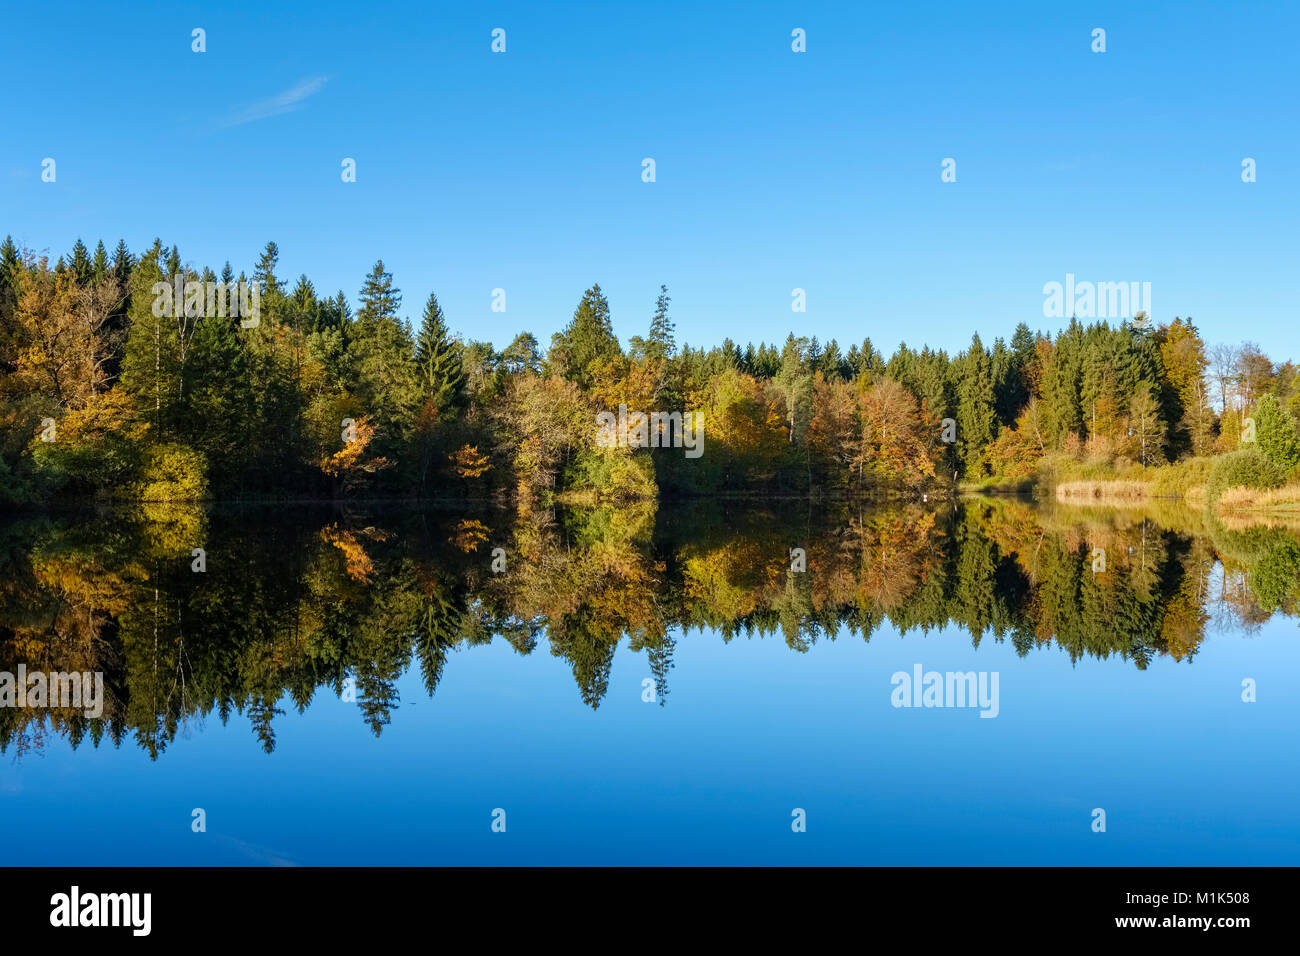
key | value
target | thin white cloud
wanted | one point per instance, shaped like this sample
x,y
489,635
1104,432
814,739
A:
x,y
285,102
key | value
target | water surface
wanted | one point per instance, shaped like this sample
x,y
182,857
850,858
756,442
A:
x,y
361,686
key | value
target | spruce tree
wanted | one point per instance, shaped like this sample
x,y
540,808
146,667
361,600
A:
x,y
660,343
123,262
589,339
1277,433
264,273
438,360
976,421
305,311
10,266
151,363
79,262
383,357
379,298
99,267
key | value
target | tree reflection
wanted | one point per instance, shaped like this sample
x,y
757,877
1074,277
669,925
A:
x,y
292,604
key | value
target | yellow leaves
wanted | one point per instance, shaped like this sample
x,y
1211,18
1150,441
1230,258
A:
x,y
60,349
469,534
107,413
83,582
469,463
359,566
743,419
172,529
894,444
633,383
350,460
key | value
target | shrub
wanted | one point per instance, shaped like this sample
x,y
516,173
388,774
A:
x,y
1275,580
1276,433
172,472
613,473
1175,481
1247,468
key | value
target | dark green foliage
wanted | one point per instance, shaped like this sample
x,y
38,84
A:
x,y
1246,468
438,361
588,341
1277,433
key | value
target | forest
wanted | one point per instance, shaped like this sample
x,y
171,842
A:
x,y
104,398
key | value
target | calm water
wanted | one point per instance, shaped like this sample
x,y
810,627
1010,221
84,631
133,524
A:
x,y
363,687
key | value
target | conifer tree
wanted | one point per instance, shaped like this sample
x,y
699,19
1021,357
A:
x,y
438,359
589,339
151,363
123,262
976,420
1277,433
79,262
99,267
660,343
379,298
383,357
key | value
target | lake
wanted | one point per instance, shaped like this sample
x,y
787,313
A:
x,y
986,682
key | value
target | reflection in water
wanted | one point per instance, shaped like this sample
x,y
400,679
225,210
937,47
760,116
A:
x,y
289,605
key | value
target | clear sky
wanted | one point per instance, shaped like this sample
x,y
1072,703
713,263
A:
x,y
774,169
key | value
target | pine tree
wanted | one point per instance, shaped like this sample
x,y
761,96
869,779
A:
x,y
99,267
10,266
976,421
869,358
660,343
123,262
339,313
305,312
220,408
151,363
379,298
589,339
1182,356
1277,433
437,357
383,356
522,355
264,272
1062,375
79,262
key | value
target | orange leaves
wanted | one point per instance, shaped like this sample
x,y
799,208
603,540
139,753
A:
x,y
359,566
469,534
894,443
60,340
469,463
349,461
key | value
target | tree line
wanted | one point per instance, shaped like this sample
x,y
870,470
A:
x,y
100,396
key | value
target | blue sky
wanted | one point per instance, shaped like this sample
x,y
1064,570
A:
x,y
775,170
